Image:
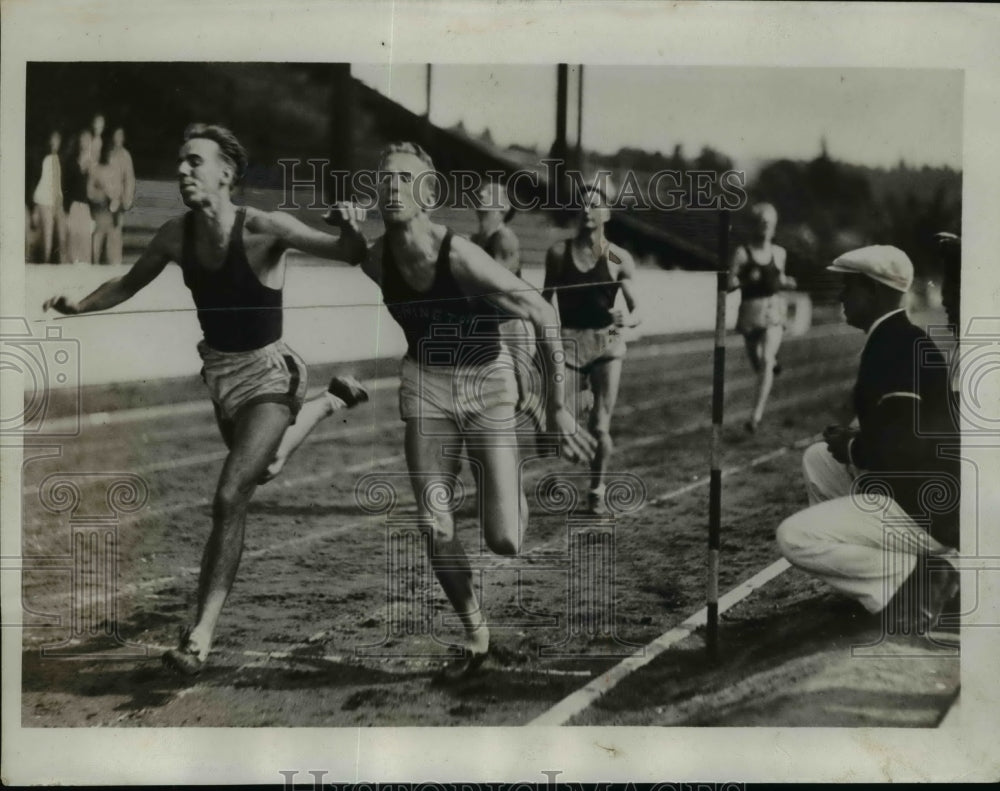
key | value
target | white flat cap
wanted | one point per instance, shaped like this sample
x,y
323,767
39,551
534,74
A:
x,y
884,263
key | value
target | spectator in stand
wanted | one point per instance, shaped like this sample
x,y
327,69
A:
x,y
123,175
97,138
111,190
47,198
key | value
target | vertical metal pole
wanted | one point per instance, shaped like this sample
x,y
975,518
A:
x,y
426,132
427,114
558,185
715,473
341,130
559,147
579,117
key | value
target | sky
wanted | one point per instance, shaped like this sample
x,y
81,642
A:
x,y
868,116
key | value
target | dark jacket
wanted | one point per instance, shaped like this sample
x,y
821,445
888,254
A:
x,y
909,441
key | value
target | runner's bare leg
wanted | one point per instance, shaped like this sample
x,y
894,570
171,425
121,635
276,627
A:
x,y
257,430
605,378
495,458
425,439
769,345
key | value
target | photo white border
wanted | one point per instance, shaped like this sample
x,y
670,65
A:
x,y
652,33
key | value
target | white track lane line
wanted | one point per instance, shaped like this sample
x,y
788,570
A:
x,y
733,341
106,418
316,535
582,698
639,352
573,704
200,407
208,428
262,657
736,385
499,563
774,405
211,457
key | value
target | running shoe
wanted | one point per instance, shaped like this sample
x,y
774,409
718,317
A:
x,y
462,668
348,389
185,659
596,505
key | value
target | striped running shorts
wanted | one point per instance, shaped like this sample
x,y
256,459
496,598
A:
x,y
273,373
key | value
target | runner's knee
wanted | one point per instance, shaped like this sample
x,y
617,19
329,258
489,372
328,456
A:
x,y
231,496
439,525
503,544
603,436
502,529
599,421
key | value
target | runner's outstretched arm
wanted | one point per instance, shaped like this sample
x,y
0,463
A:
x,y
115,291
293,234
480,275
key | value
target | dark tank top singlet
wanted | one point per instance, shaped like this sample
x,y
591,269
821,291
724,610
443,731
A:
x,y
236,311
587,302
442,325
759,280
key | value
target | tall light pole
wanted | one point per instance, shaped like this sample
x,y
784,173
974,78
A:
x,y
342,101
579,117
559,146
427,104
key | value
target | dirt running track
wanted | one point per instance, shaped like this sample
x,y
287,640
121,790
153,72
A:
x,y
317,633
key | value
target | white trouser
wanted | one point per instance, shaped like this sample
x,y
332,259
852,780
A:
x,y
862,545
